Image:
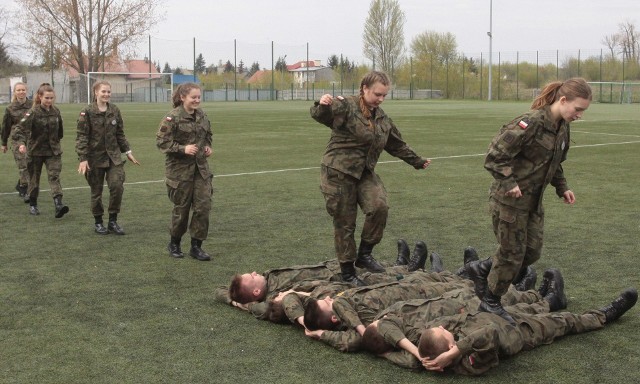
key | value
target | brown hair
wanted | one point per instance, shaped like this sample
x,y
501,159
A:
x,y
315,319
373,341
13,96
275,312
97,86
44,87
182,90
430,345
239,293
367,81
573,88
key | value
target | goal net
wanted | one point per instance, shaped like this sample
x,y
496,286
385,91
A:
x,y
615,92
129,87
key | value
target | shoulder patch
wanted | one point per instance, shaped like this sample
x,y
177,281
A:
x,y
340,98
508,137
82,113
523,124
168,118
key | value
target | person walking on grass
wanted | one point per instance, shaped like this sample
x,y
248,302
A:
x,y
12,115
360,131
38,134
524,157
100,143
185,138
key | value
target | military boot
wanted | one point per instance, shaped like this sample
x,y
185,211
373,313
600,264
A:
x,y
620,305
174,247
470,254
491,303
33,210
348,273
365,259
526,279
419,257
436,262
478,271
196,250
61,209
554,292
22,189
403,253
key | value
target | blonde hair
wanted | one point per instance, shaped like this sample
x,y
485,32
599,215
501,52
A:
x,y
367,81
573,88
13,96
44,87
182,90
97,86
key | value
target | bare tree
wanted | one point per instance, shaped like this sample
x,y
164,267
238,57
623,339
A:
x,y
629,41
383,36
85,32
611,42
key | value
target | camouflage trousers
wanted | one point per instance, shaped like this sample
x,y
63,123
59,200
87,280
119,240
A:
x,y
114,175
186,196
519,234
54,167
21,163
343,194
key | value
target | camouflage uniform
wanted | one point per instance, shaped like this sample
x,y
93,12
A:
x,y
100,140
527,152
483,337
282,279
348,177
188,178
41,131
12,115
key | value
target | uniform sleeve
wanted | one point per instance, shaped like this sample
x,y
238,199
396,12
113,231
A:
x,y
293,306
330,115
503,149
344,341
258,309
209,136
164,137
22,129
397,147
558,180
392,329
82,135
221,294
346,313
123,144
479,351
403,359
60,125
6,127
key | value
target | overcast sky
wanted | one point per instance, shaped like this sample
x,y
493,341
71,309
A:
x,y
336,26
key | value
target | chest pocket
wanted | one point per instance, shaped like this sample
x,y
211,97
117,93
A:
x,y
186,133
541,149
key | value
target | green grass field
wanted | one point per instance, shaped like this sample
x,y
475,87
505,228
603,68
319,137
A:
x,y
81,308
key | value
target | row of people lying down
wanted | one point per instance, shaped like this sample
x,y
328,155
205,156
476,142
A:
x,y
417,318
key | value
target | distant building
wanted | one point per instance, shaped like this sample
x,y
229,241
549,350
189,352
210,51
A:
x,y
312,71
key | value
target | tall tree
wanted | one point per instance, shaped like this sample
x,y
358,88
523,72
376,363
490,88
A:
x,y
629,41
200,64
441,47
255,67
167,68
85,32
333,61
5,60
228,67
281,64
383,37
241,68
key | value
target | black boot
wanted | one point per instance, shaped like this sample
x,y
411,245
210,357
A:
x,y
554,291
100,228
478,271
403,253
61,209
33,210
419,257
491,303
113,224
470,254
436,262
196,251
22,189
348,272
174,247
365,259
526,279
620,305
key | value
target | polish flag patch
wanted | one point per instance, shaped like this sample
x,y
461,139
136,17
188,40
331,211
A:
x,y
82,113
168,118
523,124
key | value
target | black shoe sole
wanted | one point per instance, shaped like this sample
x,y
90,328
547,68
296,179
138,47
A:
x,y
63,211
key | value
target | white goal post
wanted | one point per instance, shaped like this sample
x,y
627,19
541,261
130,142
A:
x,y
134,86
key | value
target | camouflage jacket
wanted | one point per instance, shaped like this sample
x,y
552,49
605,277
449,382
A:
x,y
354,145
528,152
177,130
100,136
12,115
41,131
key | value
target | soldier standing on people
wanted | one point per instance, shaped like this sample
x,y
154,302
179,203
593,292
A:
x,y
12,115
185,138
38,134
100,143
360,131
523,158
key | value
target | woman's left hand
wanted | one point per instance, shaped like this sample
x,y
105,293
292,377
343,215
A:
x,y
132,159
569,197
426,164
208,151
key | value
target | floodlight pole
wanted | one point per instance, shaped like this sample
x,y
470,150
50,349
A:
x,y
490,34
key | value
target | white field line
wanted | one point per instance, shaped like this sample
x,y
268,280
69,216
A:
x,y
310,168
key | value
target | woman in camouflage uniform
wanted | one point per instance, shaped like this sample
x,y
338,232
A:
x,y
12,115
185,138
523,158
100,143
360,131
38,135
